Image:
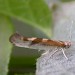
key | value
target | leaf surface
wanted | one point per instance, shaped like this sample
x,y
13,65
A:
x,y
6,30
32,12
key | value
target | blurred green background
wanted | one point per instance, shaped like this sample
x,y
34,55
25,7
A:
x,y
31,18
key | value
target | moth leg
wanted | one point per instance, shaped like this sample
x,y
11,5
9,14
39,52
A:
x,y
46,52
52,53
64,53
56,50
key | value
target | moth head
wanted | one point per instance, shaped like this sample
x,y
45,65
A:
x,y
67,44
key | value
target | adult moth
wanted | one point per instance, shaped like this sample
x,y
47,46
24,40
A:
x,y
37,43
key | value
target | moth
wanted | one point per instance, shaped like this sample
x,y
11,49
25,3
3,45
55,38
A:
x,y
38,43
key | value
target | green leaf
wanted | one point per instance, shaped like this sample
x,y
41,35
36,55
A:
x,y
6,30
33,12
67,0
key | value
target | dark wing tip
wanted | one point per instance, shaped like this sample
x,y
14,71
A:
x,y
14,36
